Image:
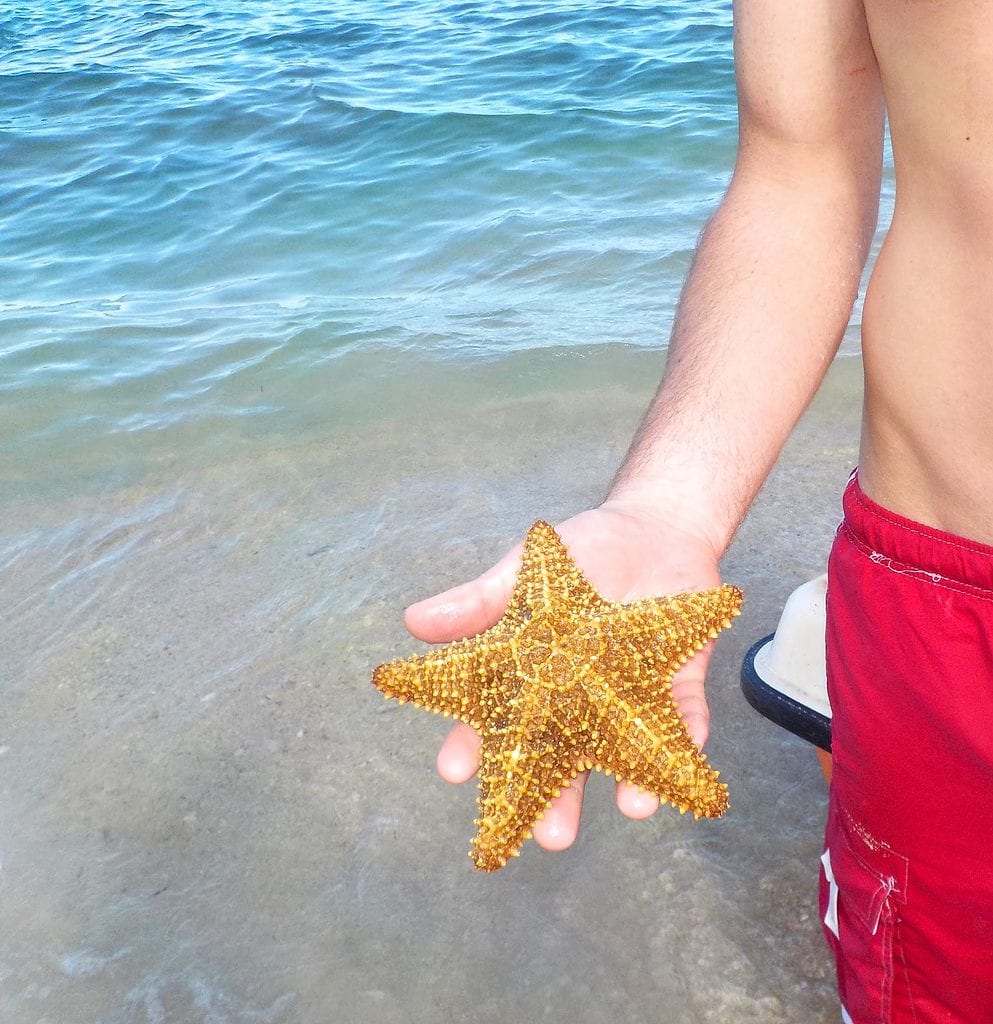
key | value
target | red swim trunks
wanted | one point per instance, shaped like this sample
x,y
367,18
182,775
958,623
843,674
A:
x,y
907,877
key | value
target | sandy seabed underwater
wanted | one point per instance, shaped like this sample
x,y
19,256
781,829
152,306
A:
x,y
210,815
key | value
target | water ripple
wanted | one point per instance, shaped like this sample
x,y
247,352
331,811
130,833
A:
x,y
203,201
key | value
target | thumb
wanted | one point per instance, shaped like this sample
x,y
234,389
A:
x,y
467,609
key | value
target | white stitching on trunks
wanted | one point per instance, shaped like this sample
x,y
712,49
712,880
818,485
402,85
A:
x,y
921,575
901,570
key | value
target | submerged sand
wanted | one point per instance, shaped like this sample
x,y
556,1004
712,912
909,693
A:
x,y
208,814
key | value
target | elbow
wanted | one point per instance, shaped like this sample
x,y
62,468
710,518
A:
x,y
823,201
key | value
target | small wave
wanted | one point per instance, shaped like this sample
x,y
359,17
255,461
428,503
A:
x,y
202,203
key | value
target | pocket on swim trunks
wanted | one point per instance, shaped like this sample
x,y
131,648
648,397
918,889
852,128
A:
x,y
863,884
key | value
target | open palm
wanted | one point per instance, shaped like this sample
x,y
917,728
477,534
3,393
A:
x,y
626,556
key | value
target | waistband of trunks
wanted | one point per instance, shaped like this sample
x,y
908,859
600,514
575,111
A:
x,y
887,535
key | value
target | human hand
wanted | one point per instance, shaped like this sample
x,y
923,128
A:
x,y
626,555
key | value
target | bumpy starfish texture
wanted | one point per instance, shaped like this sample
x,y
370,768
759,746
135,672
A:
x,y
568,681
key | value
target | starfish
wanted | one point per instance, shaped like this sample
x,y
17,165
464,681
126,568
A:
x,y
567,681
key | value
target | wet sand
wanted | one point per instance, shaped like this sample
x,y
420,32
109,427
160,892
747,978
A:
x,y
208,814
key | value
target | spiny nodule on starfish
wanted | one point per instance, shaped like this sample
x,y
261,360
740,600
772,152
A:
x,y
568,681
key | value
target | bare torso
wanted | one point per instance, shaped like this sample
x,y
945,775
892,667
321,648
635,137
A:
x,y
927,445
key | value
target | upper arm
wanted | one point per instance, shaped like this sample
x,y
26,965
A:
x,y
809,94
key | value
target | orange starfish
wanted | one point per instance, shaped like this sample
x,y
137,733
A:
x,y
568,681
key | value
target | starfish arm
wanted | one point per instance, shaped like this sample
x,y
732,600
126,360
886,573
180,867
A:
x,y
650,640
639,647
653,750
518,778
450,680
640,735
681,624
549,577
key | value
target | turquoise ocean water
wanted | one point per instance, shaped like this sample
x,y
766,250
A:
x,y
216,220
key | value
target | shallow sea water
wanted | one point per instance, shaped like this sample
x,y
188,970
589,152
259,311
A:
x,y
305,314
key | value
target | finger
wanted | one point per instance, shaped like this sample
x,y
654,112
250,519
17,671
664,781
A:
x,y
558,829
634,802
689,696
467,609
458,758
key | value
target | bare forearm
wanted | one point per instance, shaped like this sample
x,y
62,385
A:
x,y
761,316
